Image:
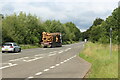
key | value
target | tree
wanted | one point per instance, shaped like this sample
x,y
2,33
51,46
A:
x,y
97,21
100,30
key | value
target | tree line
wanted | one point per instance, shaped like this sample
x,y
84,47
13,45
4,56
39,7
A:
x,y
27,29
100,30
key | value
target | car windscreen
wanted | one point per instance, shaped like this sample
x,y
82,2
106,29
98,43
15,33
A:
x,y
7,44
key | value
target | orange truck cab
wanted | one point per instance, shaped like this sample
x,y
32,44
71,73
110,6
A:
x,y
51,39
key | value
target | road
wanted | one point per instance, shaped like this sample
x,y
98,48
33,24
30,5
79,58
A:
x,y
60,62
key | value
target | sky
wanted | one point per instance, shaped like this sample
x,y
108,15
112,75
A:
x,y
81,12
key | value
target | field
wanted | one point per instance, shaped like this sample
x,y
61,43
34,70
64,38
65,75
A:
x,y
103,65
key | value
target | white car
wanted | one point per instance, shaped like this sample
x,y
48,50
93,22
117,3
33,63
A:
x,y
10,47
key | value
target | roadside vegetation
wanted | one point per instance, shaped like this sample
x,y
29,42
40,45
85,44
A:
x,y
29,46
100,30
27,29
103,65
97,50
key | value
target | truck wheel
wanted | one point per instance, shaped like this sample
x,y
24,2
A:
x,y
3,51
52,46
44,46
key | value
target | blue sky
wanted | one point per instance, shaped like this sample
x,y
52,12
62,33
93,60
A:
x,y
80,12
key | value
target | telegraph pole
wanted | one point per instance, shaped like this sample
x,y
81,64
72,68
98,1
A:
x,y
110,42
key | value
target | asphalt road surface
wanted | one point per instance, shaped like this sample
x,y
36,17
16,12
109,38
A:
x,y
60,62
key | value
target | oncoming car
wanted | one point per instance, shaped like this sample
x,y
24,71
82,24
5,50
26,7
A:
x,y
10,47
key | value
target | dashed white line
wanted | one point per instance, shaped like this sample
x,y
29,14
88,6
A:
x,y
33,59
60,52
68,59
39,73
18,59
25,57
52,54
46,70
61,62
67,49
54,51
52,67
4,67
13,65
57,64
39,55
65,60
30,77
24,60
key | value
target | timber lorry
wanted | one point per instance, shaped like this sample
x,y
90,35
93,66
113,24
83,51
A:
x,y
51,40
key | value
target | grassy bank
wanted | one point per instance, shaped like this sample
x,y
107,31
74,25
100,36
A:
x,y
103,66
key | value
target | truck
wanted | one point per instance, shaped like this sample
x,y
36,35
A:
x,y
51,39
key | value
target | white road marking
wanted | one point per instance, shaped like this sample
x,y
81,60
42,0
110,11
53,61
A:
x,y
65,60
74,56
39,55
25,57
61,62
24,60
60,52
13,65
33,59
67,49
57,64
68,59
54,51
52,54
44,49
52,67
10,65
4,67
39,73
18,59
30,77
46,70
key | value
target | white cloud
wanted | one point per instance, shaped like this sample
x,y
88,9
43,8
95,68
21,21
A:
x,y
81,12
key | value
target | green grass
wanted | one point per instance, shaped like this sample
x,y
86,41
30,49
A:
x,y
29,46
103,66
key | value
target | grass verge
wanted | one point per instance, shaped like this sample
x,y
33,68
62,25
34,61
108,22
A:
x,y
29,46
103,66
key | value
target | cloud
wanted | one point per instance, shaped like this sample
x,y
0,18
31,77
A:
x,y
7,9
81,12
